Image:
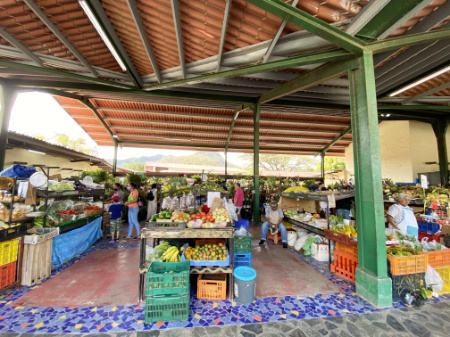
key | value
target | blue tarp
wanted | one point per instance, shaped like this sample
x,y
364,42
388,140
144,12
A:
x,y
18,171
68,245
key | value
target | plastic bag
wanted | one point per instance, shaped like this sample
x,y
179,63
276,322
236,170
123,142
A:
x,y
57,206
434,280
241,232
166,203
190,200
174,204
307,246
183,202
291,238
300,242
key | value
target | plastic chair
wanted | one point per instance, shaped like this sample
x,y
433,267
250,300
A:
x,y
275,238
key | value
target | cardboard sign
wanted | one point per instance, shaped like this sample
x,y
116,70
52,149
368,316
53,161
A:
x,y
331,201
423,181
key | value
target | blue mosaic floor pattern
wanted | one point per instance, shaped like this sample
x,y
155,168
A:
x,y
18,319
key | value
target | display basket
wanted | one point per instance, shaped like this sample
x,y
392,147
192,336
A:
x,y
167,278
8,251
242,260
212,287
344,266
339,237
402,283
166,224
167,308
349,250
445,274
7,274
10,233
429,227
242,244
208,263
438,258
431,237
202,242
404,265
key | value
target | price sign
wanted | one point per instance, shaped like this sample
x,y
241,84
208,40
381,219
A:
x,y
331,201
23,188
423,181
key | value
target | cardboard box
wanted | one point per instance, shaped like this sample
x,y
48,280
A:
x,y
320,252
445,229
309,206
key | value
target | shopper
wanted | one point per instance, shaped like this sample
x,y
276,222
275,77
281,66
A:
x,y
238,199
323,204
401,217
152,200
223,184
115,217
117,188
274,221
133,210
343,206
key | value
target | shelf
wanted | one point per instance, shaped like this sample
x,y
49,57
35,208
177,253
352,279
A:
x,y
187,233
323,196
69,225
53,194
211,270
413,202
304,225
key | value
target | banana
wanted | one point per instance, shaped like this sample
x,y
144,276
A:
x,y
169,251
174,255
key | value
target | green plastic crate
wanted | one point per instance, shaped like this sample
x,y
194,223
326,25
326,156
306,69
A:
x,y
167,308
243,244
167,278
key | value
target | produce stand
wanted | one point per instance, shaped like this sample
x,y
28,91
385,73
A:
x,y
187,233
196,191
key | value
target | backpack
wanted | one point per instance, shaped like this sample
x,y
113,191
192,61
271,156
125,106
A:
x,y
150,196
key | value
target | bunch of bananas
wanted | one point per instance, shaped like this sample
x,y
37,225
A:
x,y
347,230
172,254
297,189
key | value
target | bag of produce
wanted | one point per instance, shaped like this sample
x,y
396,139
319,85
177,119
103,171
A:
x,y
166,203
183,202
300,242
291,238
433,279
57,206
174,204
190,200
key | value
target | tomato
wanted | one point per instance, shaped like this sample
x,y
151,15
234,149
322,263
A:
x,y
212,220
203,213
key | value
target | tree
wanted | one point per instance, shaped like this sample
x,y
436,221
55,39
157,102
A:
x,y
332,163
78,144
139,167
282,162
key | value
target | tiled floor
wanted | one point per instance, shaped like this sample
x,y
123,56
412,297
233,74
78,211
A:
x,y
97,319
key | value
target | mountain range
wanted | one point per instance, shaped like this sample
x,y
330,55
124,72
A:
x,y
206,158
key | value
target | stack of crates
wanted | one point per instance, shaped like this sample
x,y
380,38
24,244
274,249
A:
x,y
242,251
8,261
167,294
345,261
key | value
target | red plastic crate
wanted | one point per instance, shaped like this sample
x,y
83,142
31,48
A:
x,y
7,274
349,250
431,237
344,266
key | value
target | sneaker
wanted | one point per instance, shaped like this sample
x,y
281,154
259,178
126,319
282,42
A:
x,y
117,240
135,238
262,242
126,237
285,245
112,241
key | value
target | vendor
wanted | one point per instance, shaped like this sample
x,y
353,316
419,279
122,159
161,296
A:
x,y
274,220
401,217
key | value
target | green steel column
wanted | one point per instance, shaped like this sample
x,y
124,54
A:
x,y
7,97
115,158
256,115
322,165
372,282
440,130
226,165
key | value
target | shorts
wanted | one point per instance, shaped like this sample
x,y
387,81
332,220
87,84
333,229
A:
x,y
115,225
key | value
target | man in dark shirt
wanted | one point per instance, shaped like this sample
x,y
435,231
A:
x,y
343,206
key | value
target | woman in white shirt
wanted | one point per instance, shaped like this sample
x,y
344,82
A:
x,y
401,217
152,199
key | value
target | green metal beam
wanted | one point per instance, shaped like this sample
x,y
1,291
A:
x,y
427,93
440,130
408,40
342,134
292,62
311,78
235,116
86,102
7,98
386,17
256,117
66,74
311,24
413,107
372,282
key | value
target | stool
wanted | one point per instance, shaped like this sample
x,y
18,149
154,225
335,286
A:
x,y
275,238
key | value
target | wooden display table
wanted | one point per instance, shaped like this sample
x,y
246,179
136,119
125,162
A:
x,y
187,233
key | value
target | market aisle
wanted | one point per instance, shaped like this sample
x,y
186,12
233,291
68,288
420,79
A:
x,y
281,273
104,277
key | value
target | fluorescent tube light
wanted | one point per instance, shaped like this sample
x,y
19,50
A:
x,y
102,33
38,152
426,78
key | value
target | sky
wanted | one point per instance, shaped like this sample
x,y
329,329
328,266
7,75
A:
x,y
37,113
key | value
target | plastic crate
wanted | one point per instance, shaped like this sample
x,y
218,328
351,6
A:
x,y
429,227
402,283
438,258
167,308
344,266
168,224
7,274
445,274
404,265
242,260
242,244
8,251
167,278
349,250
14,232
212,287
431,237
209,263
242,223
202,242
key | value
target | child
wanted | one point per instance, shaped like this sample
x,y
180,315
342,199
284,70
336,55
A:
x,y
115,211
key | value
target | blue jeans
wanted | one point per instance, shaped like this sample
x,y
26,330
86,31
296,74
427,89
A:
x,y
281,229
344,211
133,221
